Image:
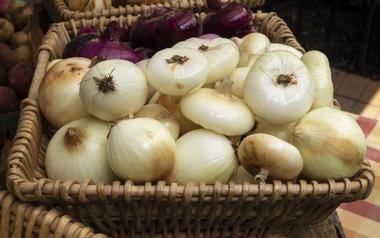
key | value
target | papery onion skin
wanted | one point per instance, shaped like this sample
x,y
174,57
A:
x,y
278,88
141,149
261,151
227,21
161,114
177,77
59,91
319,68
203,156
77,152
278,46
331,142
113,89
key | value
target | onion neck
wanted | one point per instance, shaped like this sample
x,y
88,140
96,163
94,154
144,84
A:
x,y
105,83
224,87
262,175
177,59
73,137
286,80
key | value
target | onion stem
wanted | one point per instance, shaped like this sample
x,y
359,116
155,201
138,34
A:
x,y
285,80
177,59
73,136
262,175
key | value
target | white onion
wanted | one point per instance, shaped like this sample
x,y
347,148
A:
x,y
141,149
278,46
218,110
77,152
143,64
59,91
278,88
251,47
271,155
177,71
113,89
204,156
222,55
161,114
281,131
238,77
319,68
331,142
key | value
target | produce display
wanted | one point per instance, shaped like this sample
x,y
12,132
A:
x,y
174,99
16,67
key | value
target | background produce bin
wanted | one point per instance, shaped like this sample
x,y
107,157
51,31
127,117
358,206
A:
x,y
59,10
161,209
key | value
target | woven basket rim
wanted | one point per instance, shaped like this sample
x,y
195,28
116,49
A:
x,y
135,7
32,189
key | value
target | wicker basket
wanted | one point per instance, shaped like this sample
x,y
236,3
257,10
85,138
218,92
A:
x,y
217,210
24,220
59,10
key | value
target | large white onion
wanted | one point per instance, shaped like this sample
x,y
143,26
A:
x,y
278,87
331,142
222,55
59,91
218,110
278,46
177,71
143,64
113,89
238,77
77,152
251,47
203,156
141,149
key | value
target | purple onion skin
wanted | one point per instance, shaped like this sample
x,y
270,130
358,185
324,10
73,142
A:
x,y
246,31
89,30
143,31
209,36
108,50
177,26
112,32
144,53
72,48
227,21
214,5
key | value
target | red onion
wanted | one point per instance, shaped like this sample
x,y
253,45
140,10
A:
x,y
209,36
89,30
4,5
177,26
144,53
143,31
20,77
246,31
214,4
72,48
2,74
108,46
227,21
8,100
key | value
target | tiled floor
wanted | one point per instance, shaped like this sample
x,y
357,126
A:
x,y
357,94
362,96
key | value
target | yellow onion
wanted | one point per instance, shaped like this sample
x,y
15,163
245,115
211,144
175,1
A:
x,y
331,142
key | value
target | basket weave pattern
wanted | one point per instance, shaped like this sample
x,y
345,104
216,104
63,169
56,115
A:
x,y
218,210
59,7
